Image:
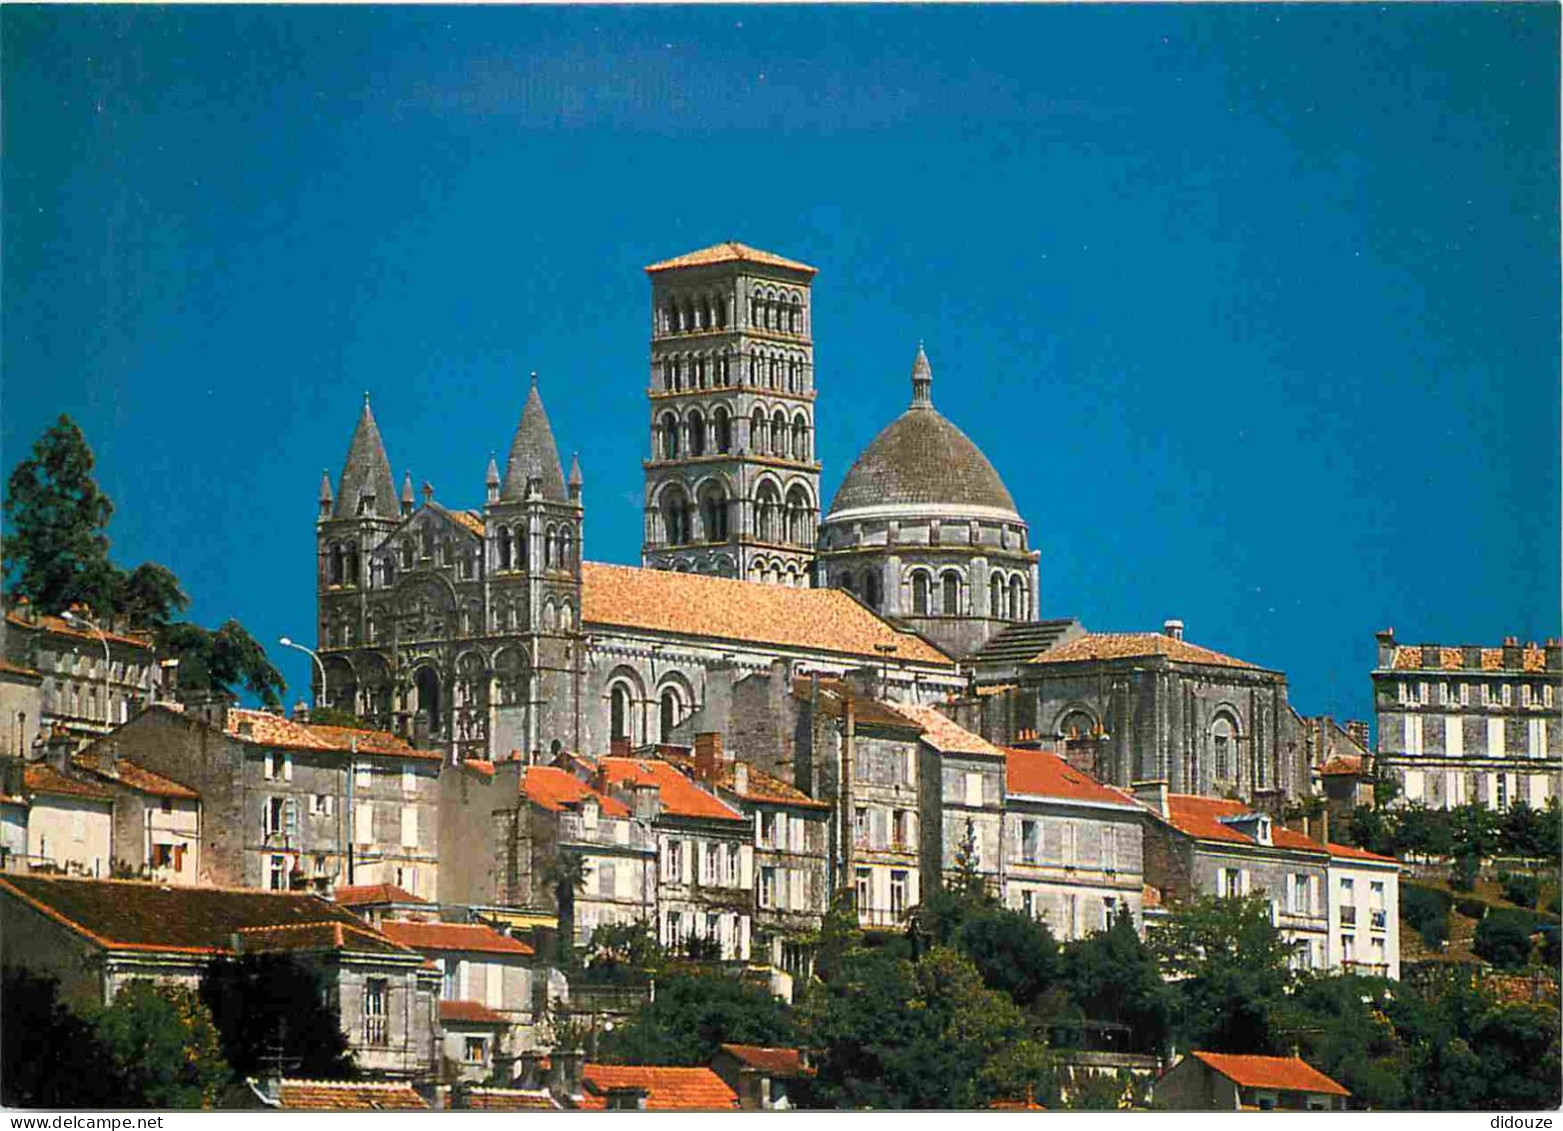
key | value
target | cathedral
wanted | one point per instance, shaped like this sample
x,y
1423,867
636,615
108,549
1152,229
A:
x,y
483,631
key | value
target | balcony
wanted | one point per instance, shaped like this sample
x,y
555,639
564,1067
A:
x,y
1348,916
375,1032
879,917
1365,969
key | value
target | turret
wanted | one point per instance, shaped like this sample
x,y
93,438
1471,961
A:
x,y
922,380
325,494
407,495
366,488
533,455
574,483
491,479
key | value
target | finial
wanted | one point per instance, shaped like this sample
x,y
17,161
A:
x,y
492,475
922,380
575,469
366,398
407,495
534,378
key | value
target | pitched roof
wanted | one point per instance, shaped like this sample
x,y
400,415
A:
x,y
945,735
42,777
866,711
58,627
760,786
345,1095
772,1061
453,936
1342,765
1202,817
366,471
533,453
469,1013
135,777
1410,657
555,789
728,251
1352,852
364,894
325,935
1040,773
8,668
1283,1073
680,796
691,604
131,915
1129,645
511,1099
667,1089
266,729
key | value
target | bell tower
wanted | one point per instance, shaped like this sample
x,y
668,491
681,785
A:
x,y
732,482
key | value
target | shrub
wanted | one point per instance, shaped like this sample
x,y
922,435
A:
x,y
1463,877
1521,889
1555,904
1503,938
1427,910
1471,908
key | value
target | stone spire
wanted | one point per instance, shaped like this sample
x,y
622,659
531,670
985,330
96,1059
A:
x,y
574,482
491,479
922,380
366,486
325,494
407,495
533,454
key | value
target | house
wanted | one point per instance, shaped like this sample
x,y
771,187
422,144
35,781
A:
x,y
765,1079
1211,1081
631,1087
70,820
377,902
94,936
961,779
287,1094
1073,848
157,821
1364,911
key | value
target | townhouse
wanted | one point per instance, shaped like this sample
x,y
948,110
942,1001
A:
x,y
1364,911
961,796
157,821
69,820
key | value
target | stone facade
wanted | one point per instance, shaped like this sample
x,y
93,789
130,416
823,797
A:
x,y
157,822
1465,724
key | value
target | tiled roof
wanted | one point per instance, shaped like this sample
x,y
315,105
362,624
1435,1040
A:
x,y
511,1099
1129,645
1283,1073
265,729
1352,852
58,627
533,454
762,787
772,1061
944,735
729,251
470,521
554,789
8,668
1039,773
866,711
1342,764
1150,897
667,1089
135,777
680,796
364,894
366,471
128,914
330,935
453,936
692,604
470,1013
42,777
345,1095
1201,817
1408,657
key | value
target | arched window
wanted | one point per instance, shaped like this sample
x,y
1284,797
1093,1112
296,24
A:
x,y
566,617
676,516
951,606
697,433
1017,599
996,597
721,314
799,512
388,569
334,569
1223,747
758,440
619,711
713,513
723,423
795,320
566,548
871,593
767,512
551,548
504,547
800,437
845,582
920,594
669,436
350,563
668,710
779,434
426,539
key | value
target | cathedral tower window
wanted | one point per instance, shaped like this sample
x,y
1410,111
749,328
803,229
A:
x,y
697,433
669,436
409,555
504,548
767,506
845,582
920,594
619,712
800,437
566,549
351,563
1222,746
951,583
996,597
551,548
676,516
723,423
779,434
758,440
713,513
334,569
871,594
799,511
1017,599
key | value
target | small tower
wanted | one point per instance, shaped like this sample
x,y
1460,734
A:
x,y
732,482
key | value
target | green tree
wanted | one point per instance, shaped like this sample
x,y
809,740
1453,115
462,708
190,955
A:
x,y
1503,938
622,954
165,1046
268,1007
1014,953
693,1013
1113,976
1339,1024
1419,829
1230,964
50,1057
1518,1048
1531,832
566,875
224,660
1475,830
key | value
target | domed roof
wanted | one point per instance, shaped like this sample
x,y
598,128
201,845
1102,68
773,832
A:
x,y
921,458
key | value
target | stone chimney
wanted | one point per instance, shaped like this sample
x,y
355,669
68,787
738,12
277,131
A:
x,y
1152,794
1512,654
645,801
108,758
1386,647
211,707
58,748
564,1072
1554,651
708,756
1173,628
740,778
1357,731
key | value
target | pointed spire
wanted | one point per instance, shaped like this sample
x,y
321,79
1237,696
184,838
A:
x,y
574,482
922,380
533,454
407,495
325,487
366,486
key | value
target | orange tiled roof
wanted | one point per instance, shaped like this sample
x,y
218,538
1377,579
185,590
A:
x,y
680,796
762,787
511,1099
58,627
554,790
1127,645
728,251
667,1089
1283,1073
470,1013
1408,657
1027,1104
42,777
363,894
945,736
344,1095
453,936
8,668
772,1061
691,604
266,729
135,777
1352,852
1039,773
1342,764
327,935
1201,817
473,522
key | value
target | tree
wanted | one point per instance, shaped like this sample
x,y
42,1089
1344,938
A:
x,y
693,1013
221,660
1503,938
271,1006
165,1046
1015,954
50,1057
1533,833
1113,976
622,954
1341,1027
566,875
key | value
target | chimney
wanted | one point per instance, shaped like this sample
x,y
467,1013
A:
x,y
1471,657
646,801
708,756
1512,654
59,747
564,1072
1554,652
108,758
1173,628
1324,826
740,777
1357,731
301,712
1152,794
211,707
1386,647
619,747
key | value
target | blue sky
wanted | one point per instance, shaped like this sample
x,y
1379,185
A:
x,y
1256,309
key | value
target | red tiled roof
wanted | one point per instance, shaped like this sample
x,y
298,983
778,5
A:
x,y
8,668
332,935
343,1095
1129,645
692,604
555,789
680,796
135,777
453,936
728,251
1201,817
761,787
1352,852
363,894
1342,764
59,627
1039,773
1408,657
1027,1104
469,1013
944,735
42,777
1283,1073
265,729
667,1089
772,1061
511,1099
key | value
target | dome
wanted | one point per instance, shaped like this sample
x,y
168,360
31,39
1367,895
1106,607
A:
x,y
922,459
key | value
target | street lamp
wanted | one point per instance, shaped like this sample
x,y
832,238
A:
x,y
313,655
77,620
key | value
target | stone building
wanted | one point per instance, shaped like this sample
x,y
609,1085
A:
x,y
1465,724
961,792
924,530
732,482
69,821
157,821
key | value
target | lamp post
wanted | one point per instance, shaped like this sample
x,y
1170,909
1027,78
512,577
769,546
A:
x,y
313,655
77,620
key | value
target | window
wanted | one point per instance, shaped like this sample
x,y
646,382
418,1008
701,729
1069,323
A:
x,y
1028,904
363,775
475,1050
450,983
1491,694
767,887
898,828
363,822
733,852
920,594
674,871
1348,948
320,805
409,779
951,597
768,829
1301,902
1222,743
1109,909
1508,695
409,826
276,765
1028,841
675,928
1232,882
973,788
619,712
376,993
860,825
277,873
897,893
864,885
